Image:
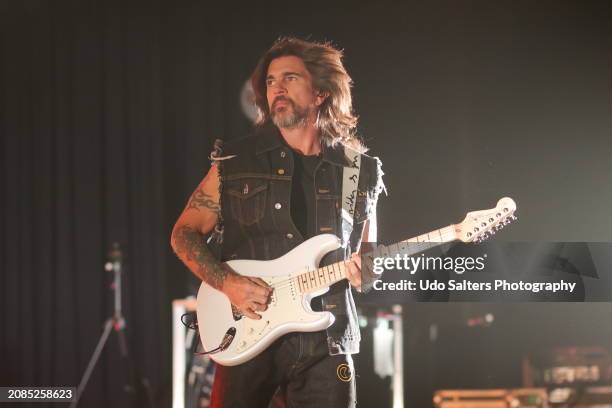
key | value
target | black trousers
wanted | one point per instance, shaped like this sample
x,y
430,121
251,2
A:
x,y
298,368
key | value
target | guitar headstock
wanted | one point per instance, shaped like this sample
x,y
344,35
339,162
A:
x,y
480,225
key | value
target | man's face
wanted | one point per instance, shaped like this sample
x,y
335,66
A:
x,y
291,97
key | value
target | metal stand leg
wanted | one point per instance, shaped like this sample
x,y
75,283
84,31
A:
x,y
117,322
108,327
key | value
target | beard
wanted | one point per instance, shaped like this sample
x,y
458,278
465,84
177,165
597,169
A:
x,y
289,116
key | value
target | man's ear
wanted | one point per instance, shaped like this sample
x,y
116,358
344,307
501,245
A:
x,y
321,97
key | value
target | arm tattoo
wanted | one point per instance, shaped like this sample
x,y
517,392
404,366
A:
x,y
199,199
192,250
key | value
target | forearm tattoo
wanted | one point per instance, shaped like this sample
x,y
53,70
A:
x,y
191,249
199,199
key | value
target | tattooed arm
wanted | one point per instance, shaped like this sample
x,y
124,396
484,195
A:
x,y
198,219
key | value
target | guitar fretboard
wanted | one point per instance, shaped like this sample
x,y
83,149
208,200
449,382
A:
x,y
325,276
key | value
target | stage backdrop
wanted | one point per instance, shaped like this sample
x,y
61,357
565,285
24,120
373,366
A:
x,y
108,110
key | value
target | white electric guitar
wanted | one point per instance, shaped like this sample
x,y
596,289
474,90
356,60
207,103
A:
x,y
296,278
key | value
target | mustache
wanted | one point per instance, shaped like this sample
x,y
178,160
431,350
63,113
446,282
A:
x,y
281,98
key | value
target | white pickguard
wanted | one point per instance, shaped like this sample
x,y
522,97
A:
x,y
288,311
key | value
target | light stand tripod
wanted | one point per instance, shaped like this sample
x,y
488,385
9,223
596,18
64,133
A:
x,y
116,322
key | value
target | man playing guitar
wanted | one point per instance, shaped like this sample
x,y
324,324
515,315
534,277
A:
x,y
269,192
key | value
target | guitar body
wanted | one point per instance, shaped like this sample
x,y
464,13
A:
x,y
288,311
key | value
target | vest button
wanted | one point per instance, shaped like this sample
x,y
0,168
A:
x,y
283,154
289,235
278,206
281,171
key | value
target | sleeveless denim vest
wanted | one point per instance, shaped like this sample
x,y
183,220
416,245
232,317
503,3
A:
x,y
255,207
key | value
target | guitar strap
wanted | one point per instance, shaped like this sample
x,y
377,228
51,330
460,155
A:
x,y
350,181
216,157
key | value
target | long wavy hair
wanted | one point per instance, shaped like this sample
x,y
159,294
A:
x,y
335,119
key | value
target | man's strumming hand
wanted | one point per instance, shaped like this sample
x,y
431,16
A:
x,y
248,294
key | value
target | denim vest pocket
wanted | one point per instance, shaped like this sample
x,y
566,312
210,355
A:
x,y
247,199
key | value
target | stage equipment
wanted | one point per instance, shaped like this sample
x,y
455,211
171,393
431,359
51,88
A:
x,y
179,347
388,336
191,389
581,397
497,398
568,366
117,323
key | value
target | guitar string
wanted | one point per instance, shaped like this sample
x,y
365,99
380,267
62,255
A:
x,y
288,282
426,241
446,234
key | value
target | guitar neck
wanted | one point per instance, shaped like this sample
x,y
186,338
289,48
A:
x,y
325,276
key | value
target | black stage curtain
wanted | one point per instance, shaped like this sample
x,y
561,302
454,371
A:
x,y
106,120
108,110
